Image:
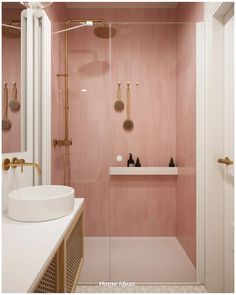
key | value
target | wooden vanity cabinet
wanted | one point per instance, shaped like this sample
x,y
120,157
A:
x,y
62,273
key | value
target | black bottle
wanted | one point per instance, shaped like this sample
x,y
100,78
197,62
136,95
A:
x,y
137,164
130,162
172,163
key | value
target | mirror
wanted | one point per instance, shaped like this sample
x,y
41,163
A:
x,y
12,103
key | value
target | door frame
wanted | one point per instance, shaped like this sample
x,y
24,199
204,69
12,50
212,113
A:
x,y
214,144
229,150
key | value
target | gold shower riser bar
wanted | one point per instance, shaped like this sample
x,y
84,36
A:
x,y
66,142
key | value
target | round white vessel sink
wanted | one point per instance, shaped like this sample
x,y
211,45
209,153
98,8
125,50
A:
x,y
39,203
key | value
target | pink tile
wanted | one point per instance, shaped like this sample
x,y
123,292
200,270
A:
x,y
162,58
186,140
11,72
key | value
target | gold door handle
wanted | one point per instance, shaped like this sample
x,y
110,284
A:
x,y
225,161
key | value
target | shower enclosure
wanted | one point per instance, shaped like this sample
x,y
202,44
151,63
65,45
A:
x,y
138,228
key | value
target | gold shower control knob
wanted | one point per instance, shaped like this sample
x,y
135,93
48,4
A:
x,y
225,161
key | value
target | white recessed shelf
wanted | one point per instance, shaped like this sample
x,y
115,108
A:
x,y
143,171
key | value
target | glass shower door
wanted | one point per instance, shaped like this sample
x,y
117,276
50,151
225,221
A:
x,y
88,92
139,224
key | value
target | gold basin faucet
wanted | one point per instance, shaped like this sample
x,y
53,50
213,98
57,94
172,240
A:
x,y
20,163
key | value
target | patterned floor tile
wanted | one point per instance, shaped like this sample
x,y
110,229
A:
x,y
158,288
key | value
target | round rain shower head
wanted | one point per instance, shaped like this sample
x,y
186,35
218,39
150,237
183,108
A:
x,y
9,32
105,32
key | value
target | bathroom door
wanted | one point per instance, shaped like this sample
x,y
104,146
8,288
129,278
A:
x,y
13,178
229,151
219,139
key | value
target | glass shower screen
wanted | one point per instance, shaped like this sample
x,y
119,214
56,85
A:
x,y
139,222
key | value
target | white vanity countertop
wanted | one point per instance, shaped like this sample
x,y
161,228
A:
x,y
28,247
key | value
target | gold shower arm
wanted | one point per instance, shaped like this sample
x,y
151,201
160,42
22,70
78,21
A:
x,y
68,21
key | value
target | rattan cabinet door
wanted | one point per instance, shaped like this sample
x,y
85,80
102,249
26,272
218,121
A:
x,y
74,255
63,271
49,280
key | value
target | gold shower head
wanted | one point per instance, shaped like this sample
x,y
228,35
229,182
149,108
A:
x,y
104,31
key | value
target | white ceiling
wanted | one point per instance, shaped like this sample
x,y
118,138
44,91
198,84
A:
x,y
142,5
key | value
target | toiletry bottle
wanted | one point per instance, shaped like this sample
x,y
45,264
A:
x,y
130,162
172,163
137,164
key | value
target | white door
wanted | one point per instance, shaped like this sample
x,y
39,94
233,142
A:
x,y
13,178
229,151
219,143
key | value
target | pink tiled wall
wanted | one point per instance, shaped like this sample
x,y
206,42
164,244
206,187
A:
x,y
56,14
151,55
186,140
124,15
144,206
98,135
186,128
11,59
189,12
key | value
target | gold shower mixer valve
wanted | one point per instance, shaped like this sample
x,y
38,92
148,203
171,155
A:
x,y
62,142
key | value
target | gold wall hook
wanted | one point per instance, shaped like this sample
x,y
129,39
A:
x,y
225,161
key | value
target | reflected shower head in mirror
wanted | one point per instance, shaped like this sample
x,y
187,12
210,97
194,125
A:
x,y
104,31
10,31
